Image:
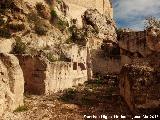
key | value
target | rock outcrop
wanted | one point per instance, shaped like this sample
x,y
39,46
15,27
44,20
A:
x,y
103,25
11,83
140,88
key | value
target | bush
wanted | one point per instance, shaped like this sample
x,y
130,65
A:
x,y
4,32
20,47
41,27
69,94
54,14
43,11
50,57
62,25
21,109
152,22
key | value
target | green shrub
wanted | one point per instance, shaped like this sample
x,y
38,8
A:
x,y
54,14
62,25
41,27
50,57
69,94
20,47
59,1
21,109
4,32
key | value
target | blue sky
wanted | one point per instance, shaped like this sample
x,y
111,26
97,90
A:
x,y
132,13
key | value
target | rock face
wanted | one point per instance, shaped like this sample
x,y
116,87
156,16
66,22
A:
x,y
11,83
44,77
78,7
104,26
140,88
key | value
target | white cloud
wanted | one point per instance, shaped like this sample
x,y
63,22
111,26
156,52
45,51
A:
x,y
133,12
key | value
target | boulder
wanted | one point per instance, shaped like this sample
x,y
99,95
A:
x,y
103,25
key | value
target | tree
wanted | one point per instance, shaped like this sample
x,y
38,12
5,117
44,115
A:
x,y
152,22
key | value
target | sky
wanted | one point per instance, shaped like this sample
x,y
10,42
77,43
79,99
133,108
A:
x,y
132,13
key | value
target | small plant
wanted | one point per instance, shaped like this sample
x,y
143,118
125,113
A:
x,y
69,94
21,109
59,1
42,10
62,25
54,14
20,47
50,57
4,32
41,27
152,22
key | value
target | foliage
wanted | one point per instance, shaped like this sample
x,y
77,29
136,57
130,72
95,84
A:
x,y
59,1
21,109
69,94
50,57
20,47
61,24
4,32
42,10
41,27
54,14
152,22
16,26
77,35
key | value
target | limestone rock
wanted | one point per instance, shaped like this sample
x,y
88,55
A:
x,y
139,88
11,83
103,25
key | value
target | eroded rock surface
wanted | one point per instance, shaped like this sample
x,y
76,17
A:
x,y
11,83
140,88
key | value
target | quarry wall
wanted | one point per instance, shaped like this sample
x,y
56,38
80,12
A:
x,y
44,77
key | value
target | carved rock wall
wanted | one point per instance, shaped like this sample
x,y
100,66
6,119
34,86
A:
x,y
11,83
140,89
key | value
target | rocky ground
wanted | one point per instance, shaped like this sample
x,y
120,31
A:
x,y
95,97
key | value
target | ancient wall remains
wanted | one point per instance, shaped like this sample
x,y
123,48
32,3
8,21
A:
x,y
44,77
140,89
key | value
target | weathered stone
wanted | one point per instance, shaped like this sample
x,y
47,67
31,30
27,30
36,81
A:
x,y
103,25
139,88
78,7
11,84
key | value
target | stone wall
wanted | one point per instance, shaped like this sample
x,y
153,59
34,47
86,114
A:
x,y
140,88
44,77
11,83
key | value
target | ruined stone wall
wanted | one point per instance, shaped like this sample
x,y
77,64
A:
x,y
44,77
140,89
11,83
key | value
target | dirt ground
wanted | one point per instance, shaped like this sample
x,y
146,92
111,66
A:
x,y
94,100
